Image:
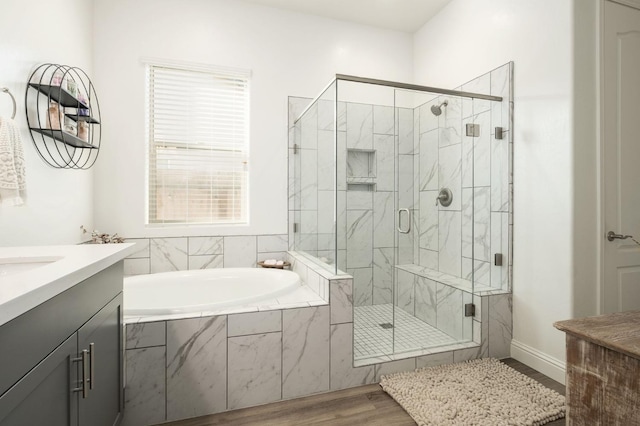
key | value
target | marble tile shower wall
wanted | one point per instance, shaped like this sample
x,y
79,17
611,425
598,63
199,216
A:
x,y
462,239
432,152
185,253
311,178
367,140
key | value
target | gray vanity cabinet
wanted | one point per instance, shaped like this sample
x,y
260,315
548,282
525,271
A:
x,y
102,335
52,392
40,397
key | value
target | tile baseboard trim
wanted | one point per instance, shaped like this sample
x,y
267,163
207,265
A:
x,y
538,360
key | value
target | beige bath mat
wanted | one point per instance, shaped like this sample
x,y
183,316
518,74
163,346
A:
x,y
478,392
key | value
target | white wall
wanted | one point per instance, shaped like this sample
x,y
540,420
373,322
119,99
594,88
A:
x,y
288,53
59,201
469,38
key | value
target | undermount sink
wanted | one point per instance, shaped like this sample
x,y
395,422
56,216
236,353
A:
x,y
16,265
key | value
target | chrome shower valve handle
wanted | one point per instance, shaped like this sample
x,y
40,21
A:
x,y
445,197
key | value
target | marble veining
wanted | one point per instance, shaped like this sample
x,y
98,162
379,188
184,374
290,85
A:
x,y
205,246
429,259
385,159
145,335
482,85
405,130
449,238
145,396
426,300
142,247
308,179
467,222
429,223
405,182
451,132
196,373
500,325
362,286
382,275
254,370
405,291
427,120
206,261
429,150
359,238
449,310
383,219
343,374
168,254
341,301
481,223
499,175
254,323
383,120
359,126
326,160
482,151
305,358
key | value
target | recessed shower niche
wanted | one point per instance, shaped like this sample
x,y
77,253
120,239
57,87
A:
x,y
367,162
361,169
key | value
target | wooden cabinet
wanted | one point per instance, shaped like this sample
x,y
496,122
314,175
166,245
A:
x,y
603,360
66,387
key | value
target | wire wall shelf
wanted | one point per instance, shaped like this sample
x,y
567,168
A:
x,y
63,115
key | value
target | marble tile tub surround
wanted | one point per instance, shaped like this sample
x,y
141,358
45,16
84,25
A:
x,y
196,366
155,255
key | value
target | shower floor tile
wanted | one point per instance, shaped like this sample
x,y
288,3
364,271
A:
x,y
372,337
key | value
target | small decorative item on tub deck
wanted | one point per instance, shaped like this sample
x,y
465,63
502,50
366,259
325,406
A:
x,y
273,263
101,238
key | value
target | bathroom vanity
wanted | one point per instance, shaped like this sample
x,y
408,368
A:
x,y
61,335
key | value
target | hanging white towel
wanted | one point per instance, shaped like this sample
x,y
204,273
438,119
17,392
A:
x,y
12,170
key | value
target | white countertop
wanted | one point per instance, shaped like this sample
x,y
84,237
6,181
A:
x,y
24,290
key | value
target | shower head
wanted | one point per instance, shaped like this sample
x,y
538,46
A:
x,y
437,109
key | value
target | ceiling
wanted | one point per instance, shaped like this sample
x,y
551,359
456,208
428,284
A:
x,y
400,15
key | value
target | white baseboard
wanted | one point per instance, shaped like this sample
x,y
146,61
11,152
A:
x,y
547,365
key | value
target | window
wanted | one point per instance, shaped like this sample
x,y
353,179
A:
x,y
198,122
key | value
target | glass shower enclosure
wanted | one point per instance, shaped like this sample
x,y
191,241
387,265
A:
x,y
405,188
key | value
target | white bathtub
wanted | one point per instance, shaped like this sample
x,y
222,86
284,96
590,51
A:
x,y
204,290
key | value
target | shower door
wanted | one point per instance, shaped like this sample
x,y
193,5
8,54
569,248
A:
x,y
434,214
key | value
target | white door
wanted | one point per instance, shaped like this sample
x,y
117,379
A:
x,y
621,157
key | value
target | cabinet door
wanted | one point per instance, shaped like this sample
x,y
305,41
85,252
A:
x,y
45,395
102,334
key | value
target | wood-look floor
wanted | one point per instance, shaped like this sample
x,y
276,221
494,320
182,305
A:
x,y
364,405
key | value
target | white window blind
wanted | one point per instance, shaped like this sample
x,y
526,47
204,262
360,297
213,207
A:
x,y
198,124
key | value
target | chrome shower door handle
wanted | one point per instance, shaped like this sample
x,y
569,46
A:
x,y
404,231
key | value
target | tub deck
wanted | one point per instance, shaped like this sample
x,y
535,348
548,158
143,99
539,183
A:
x,y
302,297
